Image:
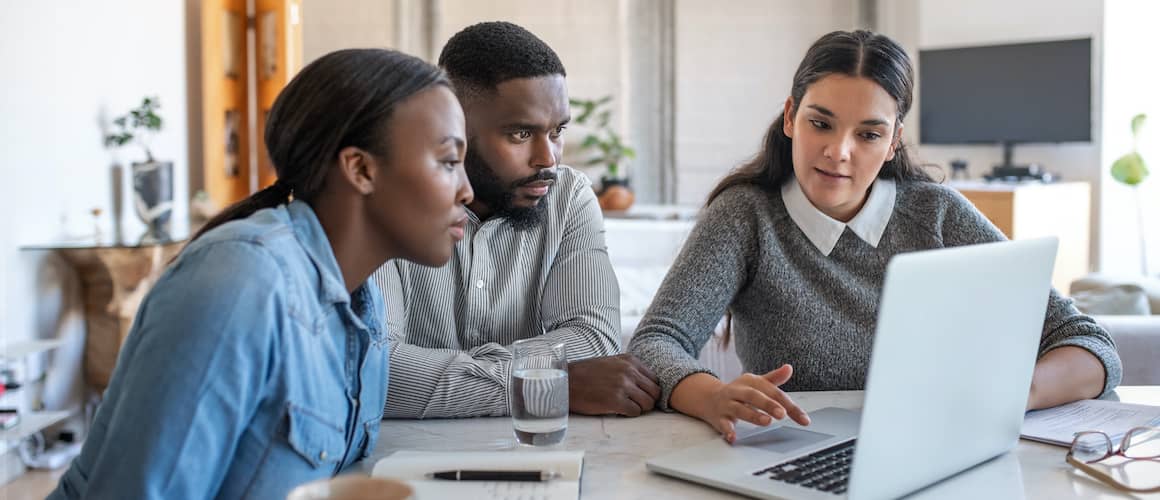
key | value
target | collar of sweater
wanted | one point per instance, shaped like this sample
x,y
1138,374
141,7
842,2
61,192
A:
x,y
824,231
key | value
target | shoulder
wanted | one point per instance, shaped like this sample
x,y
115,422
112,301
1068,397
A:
x,y
265,228
745,200
932,200
573,186
246,254
945,211
929,195
573,199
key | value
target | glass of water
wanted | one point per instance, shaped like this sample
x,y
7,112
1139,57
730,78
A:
x,y
539,391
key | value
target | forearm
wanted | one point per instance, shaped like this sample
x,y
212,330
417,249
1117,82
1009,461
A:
x,y
440,383
1064,375
585,340
691,394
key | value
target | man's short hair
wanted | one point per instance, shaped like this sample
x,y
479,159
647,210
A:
x,y
483,55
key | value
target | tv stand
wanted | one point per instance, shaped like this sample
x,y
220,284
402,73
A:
x,y
1008,170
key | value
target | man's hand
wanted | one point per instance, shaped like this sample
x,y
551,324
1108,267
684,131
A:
x,y
611,385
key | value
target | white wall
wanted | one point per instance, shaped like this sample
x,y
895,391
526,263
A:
x,y
67,66
1130,76
341,24
734,68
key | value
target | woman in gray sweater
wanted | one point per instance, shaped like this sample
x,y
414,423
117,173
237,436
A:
x,y
794,246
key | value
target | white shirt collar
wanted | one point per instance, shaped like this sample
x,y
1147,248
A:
x,y
823,231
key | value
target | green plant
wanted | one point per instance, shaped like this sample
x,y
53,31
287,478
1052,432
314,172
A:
x,y
604,144
1131,171
1130,168
137,125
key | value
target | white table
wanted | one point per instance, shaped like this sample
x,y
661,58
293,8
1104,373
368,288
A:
x,y
616,449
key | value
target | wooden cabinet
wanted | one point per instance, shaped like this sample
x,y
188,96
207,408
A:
x,y
1032,210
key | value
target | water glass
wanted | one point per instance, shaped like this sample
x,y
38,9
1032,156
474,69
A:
x,y
539,392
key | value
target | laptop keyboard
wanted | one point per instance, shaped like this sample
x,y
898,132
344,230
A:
x,y
825,470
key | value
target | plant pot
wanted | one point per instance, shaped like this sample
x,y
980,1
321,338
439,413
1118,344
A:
x,y
615,194
153,198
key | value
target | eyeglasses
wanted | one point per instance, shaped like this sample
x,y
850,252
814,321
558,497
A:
x,y
1141,446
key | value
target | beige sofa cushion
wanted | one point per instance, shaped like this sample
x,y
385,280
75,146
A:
x,y
1092,285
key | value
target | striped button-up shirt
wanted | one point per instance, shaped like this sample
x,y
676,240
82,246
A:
x,y
451,327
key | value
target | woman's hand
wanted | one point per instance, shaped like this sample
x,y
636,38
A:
x,y
756,399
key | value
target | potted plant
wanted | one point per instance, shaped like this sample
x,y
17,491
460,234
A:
x,y
605,147
152,179
1131,171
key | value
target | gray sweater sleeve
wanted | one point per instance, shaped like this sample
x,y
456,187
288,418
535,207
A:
x,y
1064,324
715,263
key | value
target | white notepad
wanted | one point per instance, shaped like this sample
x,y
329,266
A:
x,y
413,466
1058,425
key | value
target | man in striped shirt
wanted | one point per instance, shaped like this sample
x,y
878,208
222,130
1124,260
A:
x,y
532,263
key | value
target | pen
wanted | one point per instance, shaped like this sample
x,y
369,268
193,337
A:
x,y
495,475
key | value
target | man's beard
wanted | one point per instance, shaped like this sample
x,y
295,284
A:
x,y
491,191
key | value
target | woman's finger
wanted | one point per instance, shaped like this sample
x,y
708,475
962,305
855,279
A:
x,y
780,375
783,400
724,425
742,411
757,398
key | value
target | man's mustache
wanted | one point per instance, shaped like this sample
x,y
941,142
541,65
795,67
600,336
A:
x,y
543,175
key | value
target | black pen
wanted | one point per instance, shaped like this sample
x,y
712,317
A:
x,y
494,475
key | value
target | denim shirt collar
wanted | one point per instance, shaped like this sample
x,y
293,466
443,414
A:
x,y
308,230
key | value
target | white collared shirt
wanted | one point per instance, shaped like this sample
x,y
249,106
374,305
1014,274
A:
x,y
824,231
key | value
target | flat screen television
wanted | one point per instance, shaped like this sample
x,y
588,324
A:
x,y
1018,93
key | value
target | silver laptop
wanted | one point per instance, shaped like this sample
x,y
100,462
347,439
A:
x,y
956,342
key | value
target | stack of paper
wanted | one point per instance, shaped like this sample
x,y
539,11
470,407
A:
x,y
1060,424
413,467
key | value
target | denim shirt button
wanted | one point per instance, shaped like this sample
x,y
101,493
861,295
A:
x,y
322,456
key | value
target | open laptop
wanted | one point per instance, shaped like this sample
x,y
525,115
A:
x,y
955,346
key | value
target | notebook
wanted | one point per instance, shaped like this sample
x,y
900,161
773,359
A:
x,y
413,466
1058,425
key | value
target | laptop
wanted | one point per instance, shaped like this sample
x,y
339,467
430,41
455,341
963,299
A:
x,y
956,341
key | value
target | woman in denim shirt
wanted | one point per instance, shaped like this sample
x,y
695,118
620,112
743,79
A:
x,y
258,361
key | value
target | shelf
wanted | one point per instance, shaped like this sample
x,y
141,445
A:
x,y
16,351
31,423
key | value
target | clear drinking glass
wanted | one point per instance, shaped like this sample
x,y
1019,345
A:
x,y
539,392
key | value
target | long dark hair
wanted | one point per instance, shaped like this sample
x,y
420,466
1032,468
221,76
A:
x,y
342,99
852,53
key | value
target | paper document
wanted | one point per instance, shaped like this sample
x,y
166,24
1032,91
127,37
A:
x,y
413,466
1058,425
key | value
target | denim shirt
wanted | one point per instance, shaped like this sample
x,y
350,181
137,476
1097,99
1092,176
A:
x,y
248,370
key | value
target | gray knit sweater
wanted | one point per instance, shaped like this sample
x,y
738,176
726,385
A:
x,y
792,304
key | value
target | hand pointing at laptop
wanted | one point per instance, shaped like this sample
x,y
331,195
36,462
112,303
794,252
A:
x,y
756,399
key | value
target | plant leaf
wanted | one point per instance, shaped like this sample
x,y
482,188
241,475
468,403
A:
x,y
603,118
1138,123
1130,169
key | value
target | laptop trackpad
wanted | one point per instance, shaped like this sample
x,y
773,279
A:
x,y
782,439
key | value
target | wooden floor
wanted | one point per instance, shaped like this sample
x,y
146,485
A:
x,y
33,485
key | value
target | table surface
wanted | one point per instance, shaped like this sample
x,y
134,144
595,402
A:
x,y
616,449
